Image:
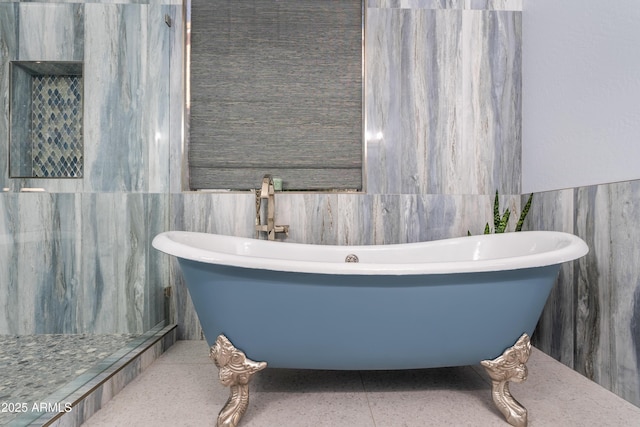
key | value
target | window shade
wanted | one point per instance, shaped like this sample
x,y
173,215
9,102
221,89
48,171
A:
x,y
276,87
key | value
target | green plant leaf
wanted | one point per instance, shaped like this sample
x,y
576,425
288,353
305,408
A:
x,y
503,222
496,212
524,213
500,222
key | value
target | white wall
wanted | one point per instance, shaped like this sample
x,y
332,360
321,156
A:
x,y
581,93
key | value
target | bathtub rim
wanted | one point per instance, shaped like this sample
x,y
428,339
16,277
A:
x,y
568,247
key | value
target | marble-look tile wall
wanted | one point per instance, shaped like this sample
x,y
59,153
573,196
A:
x,y
592,321
80,263
448,4
442,95
127,51
77,258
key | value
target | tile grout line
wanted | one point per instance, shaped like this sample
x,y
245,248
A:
x,y
366,396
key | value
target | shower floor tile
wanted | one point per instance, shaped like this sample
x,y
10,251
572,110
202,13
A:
x,y
34,366
181,388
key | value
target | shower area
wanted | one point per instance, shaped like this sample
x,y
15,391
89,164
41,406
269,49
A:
x,y
86,116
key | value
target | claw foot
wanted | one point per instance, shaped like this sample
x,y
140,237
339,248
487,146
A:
x,y
235,370
510,366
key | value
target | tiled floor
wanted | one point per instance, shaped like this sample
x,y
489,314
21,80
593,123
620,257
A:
x,y
181,389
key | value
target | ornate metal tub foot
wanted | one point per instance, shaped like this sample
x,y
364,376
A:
x,y
235,371
510,366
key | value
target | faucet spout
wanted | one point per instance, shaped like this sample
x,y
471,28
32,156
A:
x,y
267,191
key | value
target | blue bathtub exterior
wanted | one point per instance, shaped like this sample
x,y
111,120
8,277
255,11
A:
x,y
367,322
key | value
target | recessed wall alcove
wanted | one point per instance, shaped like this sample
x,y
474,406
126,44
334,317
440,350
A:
x,y
46,119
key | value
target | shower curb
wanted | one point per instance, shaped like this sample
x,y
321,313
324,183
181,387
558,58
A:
x,y
75,408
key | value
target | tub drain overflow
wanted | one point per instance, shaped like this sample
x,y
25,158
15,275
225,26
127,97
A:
x,y
351,258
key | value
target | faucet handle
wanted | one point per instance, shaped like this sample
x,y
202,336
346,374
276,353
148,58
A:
x,y
267,187
281,229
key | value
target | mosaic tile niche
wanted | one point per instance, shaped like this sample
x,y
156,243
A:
x,y
46,120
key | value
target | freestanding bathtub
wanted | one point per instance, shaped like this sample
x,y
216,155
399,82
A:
x,y
450,302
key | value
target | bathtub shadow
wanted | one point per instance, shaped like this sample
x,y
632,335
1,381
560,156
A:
x,y
277,380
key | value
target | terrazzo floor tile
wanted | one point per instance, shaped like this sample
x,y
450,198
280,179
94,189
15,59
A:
x,y
166,395
308,399
181,388
436,397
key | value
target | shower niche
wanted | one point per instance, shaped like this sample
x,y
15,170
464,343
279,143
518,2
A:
x,y
46,137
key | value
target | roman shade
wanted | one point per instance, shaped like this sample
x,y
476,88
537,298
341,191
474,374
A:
x,y
276,87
